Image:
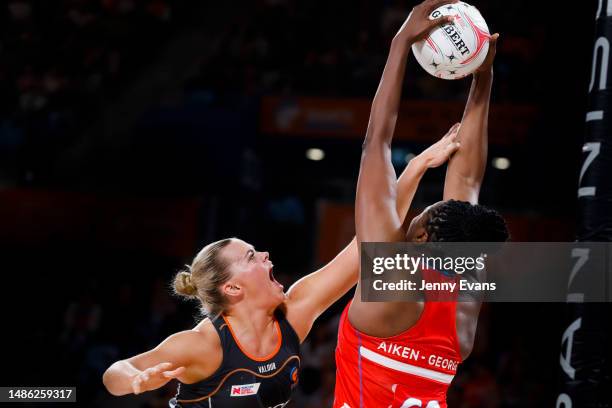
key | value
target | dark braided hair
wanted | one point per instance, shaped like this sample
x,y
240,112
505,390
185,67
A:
x,y
460,221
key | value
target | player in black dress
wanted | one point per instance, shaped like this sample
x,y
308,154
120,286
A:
x,y
247,381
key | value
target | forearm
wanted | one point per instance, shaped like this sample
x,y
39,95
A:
x,y
471,160
118,378
476,113
467,167
407,185
385,106
314,293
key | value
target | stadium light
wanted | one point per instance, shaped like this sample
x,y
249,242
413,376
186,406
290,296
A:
x,y
315,154
501,163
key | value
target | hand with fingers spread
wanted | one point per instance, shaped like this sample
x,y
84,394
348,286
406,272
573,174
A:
x,y
155,377
441,151
487,64
418,25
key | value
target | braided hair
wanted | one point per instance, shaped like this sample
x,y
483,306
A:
x,y
460,221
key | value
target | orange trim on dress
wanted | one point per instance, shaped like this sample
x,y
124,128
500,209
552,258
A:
x,y
258,359
236,370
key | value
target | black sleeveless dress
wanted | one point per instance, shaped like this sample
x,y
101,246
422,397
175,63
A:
x,y
245,381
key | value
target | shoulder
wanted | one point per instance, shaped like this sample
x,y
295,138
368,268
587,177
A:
x,y
201,349
205,328
296,318
205,334
198,350
288,328
202,339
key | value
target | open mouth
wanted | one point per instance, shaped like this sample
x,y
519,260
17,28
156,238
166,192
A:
x,y
271,276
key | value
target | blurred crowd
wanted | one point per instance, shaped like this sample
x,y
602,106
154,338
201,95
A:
x,y
60,62
339,48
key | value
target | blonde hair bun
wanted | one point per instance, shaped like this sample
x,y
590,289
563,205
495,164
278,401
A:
x,y
183,285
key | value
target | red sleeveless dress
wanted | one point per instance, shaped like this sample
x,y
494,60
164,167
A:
x,y
410,369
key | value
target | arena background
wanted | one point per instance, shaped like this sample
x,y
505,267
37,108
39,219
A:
x,y
132,132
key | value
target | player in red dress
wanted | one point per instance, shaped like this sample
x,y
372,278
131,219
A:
x,y
405,354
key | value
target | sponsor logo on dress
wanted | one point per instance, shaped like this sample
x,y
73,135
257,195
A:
x,y
244,390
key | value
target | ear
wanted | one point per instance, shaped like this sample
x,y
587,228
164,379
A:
x,y
420,235
232,289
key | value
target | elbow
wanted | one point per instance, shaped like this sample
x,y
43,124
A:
x,y
471,187
467,180
106,382
374,142
109,383
472,183
377,135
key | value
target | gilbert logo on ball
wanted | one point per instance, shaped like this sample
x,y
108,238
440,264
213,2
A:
x,y
453,51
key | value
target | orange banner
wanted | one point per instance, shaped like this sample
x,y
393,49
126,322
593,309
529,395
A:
x,y
419,121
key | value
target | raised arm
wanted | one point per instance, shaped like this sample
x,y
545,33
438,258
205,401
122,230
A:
x,y
466,169
376,217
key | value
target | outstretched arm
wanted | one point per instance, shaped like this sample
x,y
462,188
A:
x,y
174,358
376,217
466,169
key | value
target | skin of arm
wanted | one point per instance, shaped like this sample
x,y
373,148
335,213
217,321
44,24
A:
x,y
186,355
376,218
466,169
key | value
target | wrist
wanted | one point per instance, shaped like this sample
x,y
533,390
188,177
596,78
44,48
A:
x,y
419,164
401,41
485,73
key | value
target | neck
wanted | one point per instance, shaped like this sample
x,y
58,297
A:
x,y
251,320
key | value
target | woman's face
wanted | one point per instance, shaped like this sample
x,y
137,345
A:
x,y
252,276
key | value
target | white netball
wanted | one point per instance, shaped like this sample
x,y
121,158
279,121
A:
x,y
453,51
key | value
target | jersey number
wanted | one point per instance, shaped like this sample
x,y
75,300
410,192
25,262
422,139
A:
x,y
414,402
